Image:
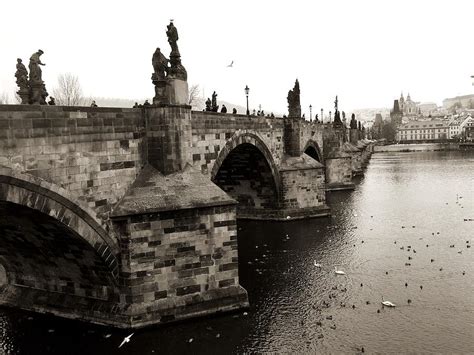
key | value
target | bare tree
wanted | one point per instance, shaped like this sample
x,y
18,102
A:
x,y
68,92
4,98
17,98
193,93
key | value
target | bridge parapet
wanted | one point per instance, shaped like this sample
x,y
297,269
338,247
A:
x,y
94,153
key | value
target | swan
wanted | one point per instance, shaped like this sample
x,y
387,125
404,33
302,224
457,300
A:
x,y
388,303
338,272
317,264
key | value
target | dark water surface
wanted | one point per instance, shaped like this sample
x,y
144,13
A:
x,y
429,194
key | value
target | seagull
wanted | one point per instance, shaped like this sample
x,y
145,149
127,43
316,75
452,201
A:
x,y
230,65
317,264
388,303
338,272
125,340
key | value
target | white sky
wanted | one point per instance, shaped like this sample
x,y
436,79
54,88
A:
x,y
365,51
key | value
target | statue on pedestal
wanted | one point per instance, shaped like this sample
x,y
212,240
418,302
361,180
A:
x,y
353,123
170,82
21,75
337,115
37,88
160,67
177,70
294,106
215,108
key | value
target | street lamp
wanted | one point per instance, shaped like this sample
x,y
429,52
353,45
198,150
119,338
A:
x,y
310,113
247,95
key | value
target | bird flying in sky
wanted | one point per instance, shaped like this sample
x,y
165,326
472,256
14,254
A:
x,y
231,64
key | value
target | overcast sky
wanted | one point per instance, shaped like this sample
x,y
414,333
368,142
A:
x,y
365,51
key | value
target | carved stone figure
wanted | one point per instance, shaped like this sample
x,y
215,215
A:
x,y
294,106
34,66
160,68
160,65
208,104
172,34
215,108
177,70
21,75
37,88
353,123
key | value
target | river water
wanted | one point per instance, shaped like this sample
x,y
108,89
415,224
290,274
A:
x,y
400,235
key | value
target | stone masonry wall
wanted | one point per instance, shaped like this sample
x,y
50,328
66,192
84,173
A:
x,y
178,263
296,187
94,153
339,171
211,131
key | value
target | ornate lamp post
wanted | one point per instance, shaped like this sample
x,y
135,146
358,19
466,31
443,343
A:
x,y
322,117
310,113
247,95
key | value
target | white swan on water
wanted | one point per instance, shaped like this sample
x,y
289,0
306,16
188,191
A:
x,y
338,272
388,303
317,264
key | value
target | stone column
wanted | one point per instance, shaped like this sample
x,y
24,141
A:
x,y
169,137
291,136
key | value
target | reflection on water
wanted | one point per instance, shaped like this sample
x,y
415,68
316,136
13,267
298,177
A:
x,y
392,236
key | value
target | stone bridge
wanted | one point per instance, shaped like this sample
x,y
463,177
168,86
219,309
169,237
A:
x,y
127,217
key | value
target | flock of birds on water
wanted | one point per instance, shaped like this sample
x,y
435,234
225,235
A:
x,y
338,272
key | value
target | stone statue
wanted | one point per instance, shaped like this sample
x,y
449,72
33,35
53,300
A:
x,y
172,34
160,65
21,75
208,104
335,104
215,108
34,66
294,106
177,70
353,123
37,88
170,81
359,126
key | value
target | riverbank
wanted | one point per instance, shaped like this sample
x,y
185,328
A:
x,y
421,147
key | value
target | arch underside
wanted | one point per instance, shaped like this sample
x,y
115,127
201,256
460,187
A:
x,y
312,149
40,253
246,176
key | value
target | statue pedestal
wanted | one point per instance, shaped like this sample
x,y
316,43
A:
x,y
177,91
24,96
160,92
36,92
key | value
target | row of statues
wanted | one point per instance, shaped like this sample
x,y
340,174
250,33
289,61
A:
x,y
32,89
212,105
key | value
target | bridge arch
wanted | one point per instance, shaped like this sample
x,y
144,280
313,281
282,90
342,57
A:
x,y
312,149
255,164
45,225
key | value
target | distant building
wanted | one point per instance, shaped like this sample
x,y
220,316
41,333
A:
x,y
460,126
468,129
408,107
376,131
396,114
454,127
423,131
